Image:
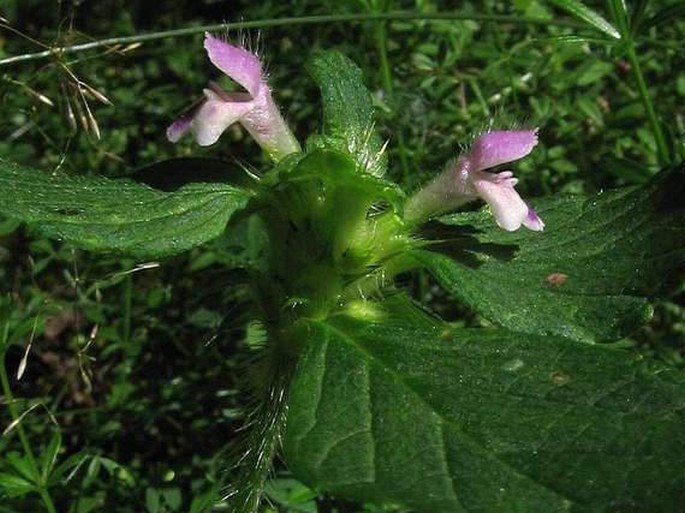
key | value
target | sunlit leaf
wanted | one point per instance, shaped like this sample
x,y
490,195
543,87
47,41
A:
x,y
49,456
12,485
588,15
588,276
118,215
347,111
451,420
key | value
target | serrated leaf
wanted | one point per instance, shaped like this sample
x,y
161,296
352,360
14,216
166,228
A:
x,y
118,215
449,420
587,276
347,111
588,15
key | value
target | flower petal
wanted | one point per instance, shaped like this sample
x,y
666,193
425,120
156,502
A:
x,y
178,128
509,209
533,221
266,125
214,116
501,146
241,65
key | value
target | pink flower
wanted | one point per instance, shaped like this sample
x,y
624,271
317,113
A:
x,y
467,180
254,108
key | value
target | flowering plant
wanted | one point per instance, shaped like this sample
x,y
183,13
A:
x,y
254,109
367,392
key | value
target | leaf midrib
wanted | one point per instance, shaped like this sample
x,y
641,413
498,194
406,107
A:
x,y
369,357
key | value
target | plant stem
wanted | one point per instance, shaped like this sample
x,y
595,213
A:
x,y
280,22
661,147
14,415
387,81
266,422
620,17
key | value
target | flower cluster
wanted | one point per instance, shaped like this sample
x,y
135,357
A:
x,y
254,108
467,179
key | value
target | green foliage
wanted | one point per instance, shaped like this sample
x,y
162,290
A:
x,y
586,277
587,14
118,215
348,113
666,14
292,495
398,405
315,209
165,369
318,255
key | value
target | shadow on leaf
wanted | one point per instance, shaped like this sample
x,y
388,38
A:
x,y
461,243
170,175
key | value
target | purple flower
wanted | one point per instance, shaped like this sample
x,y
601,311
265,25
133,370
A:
x,y
253,108
468,179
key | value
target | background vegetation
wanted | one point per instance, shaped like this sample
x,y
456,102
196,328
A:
x,y
132,391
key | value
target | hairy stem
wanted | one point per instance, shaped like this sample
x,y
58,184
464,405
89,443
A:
x,y
266,424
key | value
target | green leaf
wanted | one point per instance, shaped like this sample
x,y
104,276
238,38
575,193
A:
x,y
22,465
172,498
347,112
152,500
69,467
118,215
292,495
588,15
49,456
92,472
449,420
592,71
585,277
86,504
12,485
117,470
204,500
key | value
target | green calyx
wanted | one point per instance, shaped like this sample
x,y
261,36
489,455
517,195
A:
x,y
333,233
